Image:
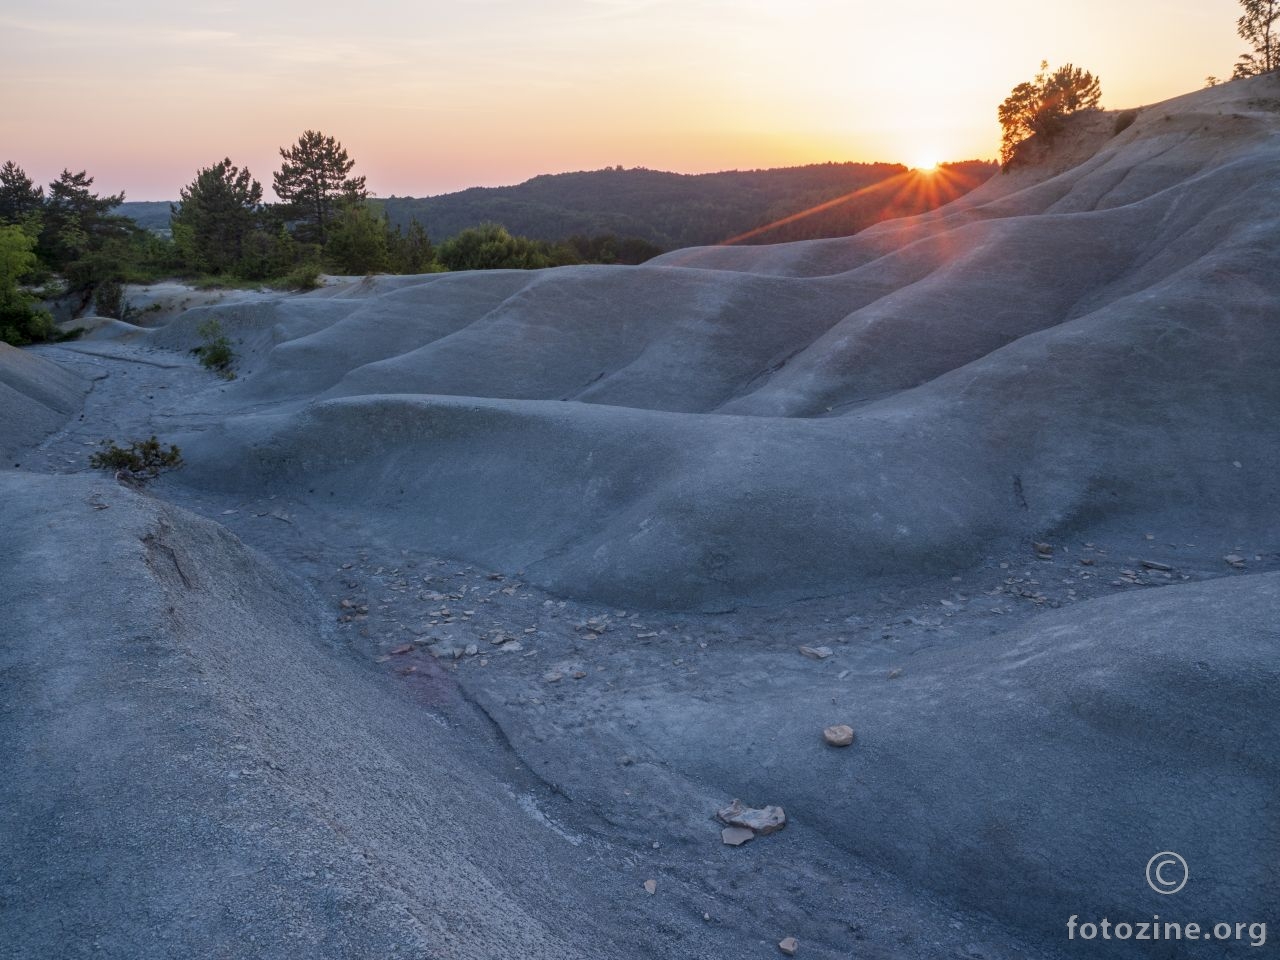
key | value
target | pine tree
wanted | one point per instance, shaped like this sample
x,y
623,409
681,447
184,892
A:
x,y
20,198
77,221
218,212
313,179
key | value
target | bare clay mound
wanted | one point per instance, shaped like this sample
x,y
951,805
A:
x,y
1042,356
36,397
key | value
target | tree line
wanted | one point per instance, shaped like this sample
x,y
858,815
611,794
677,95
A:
x,y
669,210
1038,110
68,241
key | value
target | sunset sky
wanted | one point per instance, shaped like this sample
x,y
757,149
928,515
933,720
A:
x,y
430,97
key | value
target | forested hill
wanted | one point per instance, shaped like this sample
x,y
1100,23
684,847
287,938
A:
x,y
150,215
680,210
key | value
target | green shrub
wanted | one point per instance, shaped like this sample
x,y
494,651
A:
x,y
303,277
215,353
109,300
139,462
1125,120
491,247
21,322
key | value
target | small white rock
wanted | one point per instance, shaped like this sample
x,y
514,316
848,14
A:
x,y
840,735
736,836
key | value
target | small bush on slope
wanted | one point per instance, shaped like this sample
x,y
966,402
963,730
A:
x,y
215,353
139,462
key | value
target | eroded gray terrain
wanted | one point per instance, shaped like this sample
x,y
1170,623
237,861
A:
x,y
480,594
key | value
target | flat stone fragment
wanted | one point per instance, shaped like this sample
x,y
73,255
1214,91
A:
x,y
651,887
816,653
839,735
789,946
763,820
736,836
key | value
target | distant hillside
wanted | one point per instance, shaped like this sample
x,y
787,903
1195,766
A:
x,y
681,210
149,214
676,210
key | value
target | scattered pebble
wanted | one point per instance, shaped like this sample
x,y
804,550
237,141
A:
x,y
789,946
817,653
651,887
736,836
553,677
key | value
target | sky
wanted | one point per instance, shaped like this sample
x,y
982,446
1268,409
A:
x,y
430,97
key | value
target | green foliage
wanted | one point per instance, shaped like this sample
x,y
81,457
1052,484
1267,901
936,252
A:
x,y
1257,26
275,254
21,201
608,248
490,247
212,224
109,299
21,322
357,241
78,225
311,181
1040,108
305,276
139,462
410,251
215,352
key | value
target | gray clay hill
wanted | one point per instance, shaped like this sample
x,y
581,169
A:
x,y
480,594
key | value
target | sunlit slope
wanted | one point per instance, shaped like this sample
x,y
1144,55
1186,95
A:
x,y
1094,339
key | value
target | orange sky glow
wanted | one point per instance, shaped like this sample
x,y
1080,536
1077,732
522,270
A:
x,y
430,97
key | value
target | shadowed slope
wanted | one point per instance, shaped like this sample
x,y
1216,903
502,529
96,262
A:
x,y
36,397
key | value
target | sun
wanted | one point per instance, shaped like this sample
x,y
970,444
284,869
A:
x,y
925,164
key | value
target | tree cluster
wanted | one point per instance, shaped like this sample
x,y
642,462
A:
x,y
1040,107
1258,26
69,231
